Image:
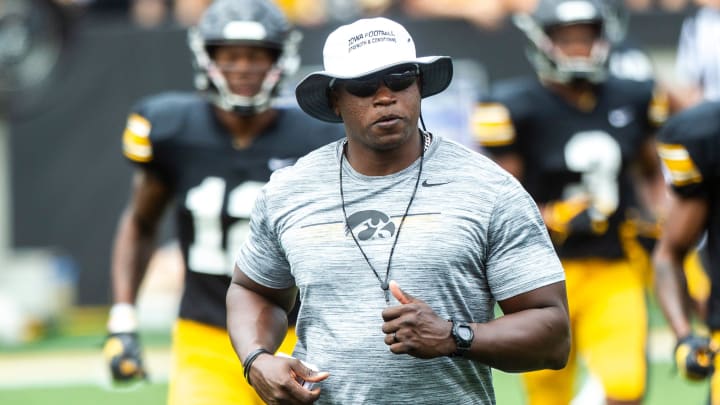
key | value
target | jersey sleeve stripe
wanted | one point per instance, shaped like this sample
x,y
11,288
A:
x,y
491,125
679,164
138,153
136,139
138,125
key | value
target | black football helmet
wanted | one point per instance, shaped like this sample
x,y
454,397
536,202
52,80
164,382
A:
x,y
243,22
549,63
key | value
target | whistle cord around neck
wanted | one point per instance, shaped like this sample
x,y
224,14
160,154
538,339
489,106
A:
x,y
383,283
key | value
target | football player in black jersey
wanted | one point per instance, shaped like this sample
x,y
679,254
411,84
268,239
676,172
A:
x,y
580,140
209,153
689,145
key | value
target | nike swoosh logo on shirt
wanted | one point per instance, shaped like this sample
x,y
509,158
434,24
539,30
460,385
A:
x,y
426,184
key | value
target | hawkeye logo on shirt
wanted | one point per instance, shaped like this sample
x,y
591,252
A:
x,y
371,224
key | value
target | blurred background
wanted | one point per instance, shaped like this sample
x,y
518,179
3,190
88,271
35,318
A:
x,y
69,73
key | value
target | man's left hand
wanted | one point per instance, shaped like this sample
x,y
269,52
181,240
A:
x,y
414,328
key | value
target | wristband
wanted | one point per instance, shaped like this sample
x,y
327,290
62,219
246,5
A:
x,y
249,361
122,318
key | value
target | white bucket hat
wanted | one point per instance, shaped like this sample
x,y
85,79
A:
x,y
364,47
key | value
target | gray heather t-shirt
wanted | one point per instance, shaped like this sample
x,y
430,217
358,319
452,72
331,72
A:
x,y
472,236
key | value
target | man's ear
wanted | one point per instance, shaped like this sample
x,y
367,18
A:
x,y
332,100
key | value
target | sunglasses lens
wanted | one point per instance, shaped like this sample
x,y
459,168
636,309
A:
x,y
361,88
395,81
400,81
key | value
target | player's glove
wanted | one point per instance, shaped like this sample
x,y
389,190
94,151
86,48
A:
x,y
694,357
124,356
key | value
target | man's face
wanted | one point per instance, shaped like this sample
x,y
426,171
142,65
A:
x,y
244,67
574,41
386,118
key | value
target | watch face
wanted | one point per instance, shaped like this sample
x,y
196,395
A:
x,y
465,333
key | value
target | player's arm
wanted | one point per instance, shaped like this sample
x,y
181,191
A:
x,y
682,229
135,237
680,234
649,178
257,324
134,244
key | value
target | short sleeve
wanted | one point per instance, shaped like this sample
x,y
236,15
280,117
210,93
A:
x,y
521,257
141,139
261,257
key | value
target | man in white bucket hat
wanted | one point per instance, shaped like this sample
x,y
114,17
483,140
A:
x,y
329,228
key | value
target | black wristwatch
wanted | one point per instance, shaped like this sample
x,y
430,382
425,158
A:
x,y
463,335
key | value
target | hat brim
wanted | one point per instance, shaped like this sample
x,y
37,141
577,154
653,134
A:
x,y
312,92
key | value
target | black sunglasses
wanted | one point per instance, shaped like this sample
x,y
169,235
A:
x,y
395,80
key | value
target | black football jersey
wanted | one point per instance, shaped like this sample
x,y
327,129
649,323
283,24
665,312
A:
x,y
689,145
178,137
569,152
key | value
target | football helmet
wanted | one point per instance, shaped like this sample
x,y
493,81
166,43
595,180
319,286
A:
x,y
243,22
547,60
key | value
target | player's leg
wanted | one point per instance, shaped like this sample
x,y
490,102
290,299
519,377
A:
x,y
613,335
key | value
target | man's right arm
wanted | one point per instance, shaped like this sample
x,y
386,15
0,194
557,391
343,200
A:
x,y
256,315
257,320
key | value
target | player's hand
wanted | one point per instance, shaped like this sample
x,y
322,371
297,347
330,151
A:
x,y
414,328
279,380
694,357
123,354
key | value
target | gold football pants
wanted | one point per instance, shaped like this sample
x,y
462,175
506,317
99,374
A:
x,y
608,318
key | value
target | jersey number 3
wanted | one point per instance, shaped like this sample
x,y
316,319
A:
x,y
597,156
